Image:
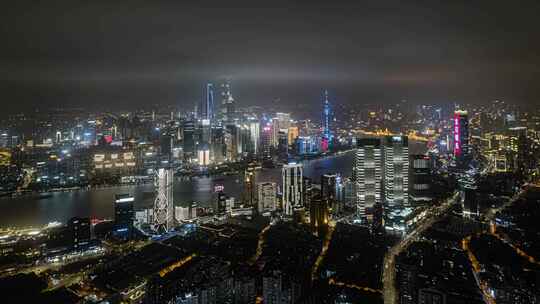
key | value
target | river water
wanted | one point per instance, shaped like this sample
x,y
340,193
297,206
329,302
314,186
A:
x,y
98,203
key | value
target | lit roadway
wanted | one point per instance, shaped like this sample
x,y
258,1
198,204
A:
x,y
389,270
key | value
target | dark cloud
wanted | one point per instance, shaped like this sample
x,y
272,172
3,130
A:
x,y
148,52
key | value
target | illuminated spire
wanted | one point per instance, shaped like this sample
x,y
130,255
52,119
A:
x,y
326,117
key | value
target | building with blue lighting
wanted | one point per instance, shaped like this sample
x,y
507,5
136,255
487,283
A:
x,y
326,119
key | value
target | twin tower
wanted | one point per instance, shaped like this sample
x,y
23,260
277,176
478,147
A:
x,y
381,176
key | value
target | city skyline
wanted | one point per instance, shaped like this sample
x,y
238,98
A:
x,y
271,153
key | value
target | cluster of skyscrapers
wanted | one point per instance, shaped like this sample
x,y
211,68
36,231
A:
x,y
381,176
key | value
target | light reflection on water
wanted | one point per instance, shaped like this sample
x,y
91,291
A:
x,y
27,211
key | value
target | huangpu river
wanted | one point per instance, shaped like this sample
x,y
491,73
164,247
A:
x,y
33,210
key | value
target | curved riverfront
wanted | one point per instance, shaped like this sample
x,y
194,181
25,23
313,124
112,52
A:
x,y
97,203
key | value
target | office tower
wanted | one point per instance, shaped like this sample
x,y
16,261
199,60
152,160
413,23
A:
x,y
80,232
207,106
421,179
247,145
163,204
521,150
233,142
248,196
326,118
470,202
227,102
328,186
307,191
368,176
266,143
267,196
275,130
188,137
283,147
332,191
318,214
461,135
292,176
396,182
123,216
254,133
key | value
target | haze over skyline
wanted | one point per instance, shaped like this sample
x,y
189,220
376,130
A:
x,y
118,54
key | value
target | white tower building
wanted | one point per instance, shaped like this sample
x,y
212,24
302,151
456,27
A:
x,y
396,182
266,196
292,186
163,204
368,176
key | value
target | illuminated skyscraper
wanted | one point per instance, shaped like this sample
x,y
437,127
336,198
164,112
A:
x,y
266,196
207,106
396,182
326,118
461,135
254,133
421,179
228,109
368,176
163,204
266,142
292,186
188,137
248,195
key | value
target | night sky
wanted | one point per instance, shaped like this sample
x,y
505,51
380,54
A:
x,y
64,53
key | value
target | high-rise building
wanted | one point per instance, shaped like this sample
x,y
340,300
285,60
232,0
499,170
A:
x,y
307,191
266,193
421,178
188,137
328,186
292,174
233,142
163,204
123,216
461,135
227,102
266,143
248,195
254,133
326,118
368,176
218,149
332,191
207,106
318,214
283,146
396,182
